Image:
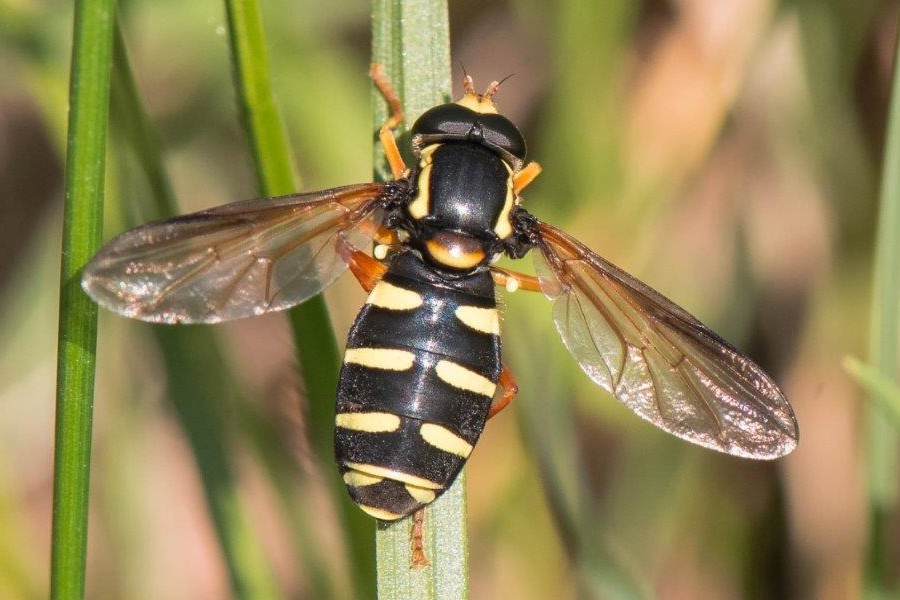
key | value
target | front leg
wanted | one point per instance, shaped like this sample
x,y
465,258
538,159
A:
x,y
386,132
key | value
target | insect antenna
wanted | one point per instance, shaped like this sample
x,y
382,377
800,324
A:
x,y
494,87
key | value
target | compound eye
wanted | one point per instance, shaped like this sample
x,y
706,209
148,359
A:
x,y
455,250
499,132
448,121
452,122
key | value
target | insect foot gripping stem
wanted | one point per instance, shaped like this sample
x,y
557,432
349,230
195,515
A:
x,y
417,540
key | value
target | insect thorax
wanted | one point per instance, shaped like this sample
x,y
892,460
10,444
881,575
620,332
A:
x,y
460,213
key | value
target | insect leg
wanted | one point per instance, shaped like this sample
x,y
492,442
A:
x,y
523,178
514,281
417,539
386,133
386,237
366,269
510,389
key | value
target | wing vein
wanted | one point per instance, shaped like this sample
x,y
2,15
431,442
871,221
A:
x,y
661,362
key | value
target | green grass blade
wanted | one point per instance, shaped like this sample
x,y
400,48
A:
x,y
882,389
586,114
85,173
599,566
316,345
446,547
262,122
129,121
882,463
194,362
412,40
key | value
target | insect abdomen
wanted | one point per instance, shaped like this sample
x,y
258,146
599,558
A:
x,y
419,375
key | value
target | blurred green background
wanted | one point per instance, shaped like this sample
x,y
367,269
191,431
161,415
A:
x,y
727,153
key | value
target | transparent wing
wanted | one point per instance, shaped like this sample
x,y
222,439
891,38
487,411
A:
x,y
657,359
232,261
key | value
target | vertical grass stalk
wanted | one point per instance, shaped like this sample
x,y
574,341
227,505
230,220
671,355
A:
x,y
882,463
193,361
83,218
411,40
317,348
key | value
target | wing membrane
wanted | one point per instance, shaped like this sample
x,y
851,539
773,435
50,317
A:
x,y
232,261
657,359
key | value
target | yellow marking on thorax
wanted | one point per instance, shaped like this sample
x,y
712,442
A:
x,y
485,320
379,513
444,439
389,359
360,479
504,227
421,206
425,154
400,476
372,422
420,494
392,297
465,379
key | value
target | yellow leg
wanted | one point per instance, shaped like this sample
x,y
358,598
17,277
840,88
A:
x,y
525,176
386,133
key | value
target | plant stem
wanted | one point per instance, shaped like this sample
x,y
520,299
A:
x,y
411,40
83,218
317,349
193,362
882,460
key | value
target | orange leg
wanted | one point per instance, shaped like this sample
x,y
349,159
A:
x,y
385,236
366,269
510,389
525,177
380,234
386,133
513,281
417,539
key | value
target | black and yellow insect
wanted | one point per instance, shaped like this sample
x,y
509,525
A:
x,y
422,370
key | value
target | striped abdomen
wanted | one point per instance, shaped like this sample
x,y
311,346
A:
x,y
419,375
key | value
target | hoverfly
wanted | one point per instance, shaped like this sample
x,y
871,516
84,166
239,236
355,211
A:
x,y
422,370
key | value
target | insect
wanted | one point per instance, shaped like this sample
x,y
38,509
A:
x,y
422,371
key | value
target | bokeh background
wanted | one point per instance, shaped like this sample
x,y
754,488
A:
x,y
728,153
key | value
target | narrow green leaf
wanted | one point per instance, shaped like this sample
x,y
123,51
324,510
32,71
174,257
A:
x,y
446,547
316,345
129,120
194,361
411,40
882,463
85,173
584,115
882,389
599,567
